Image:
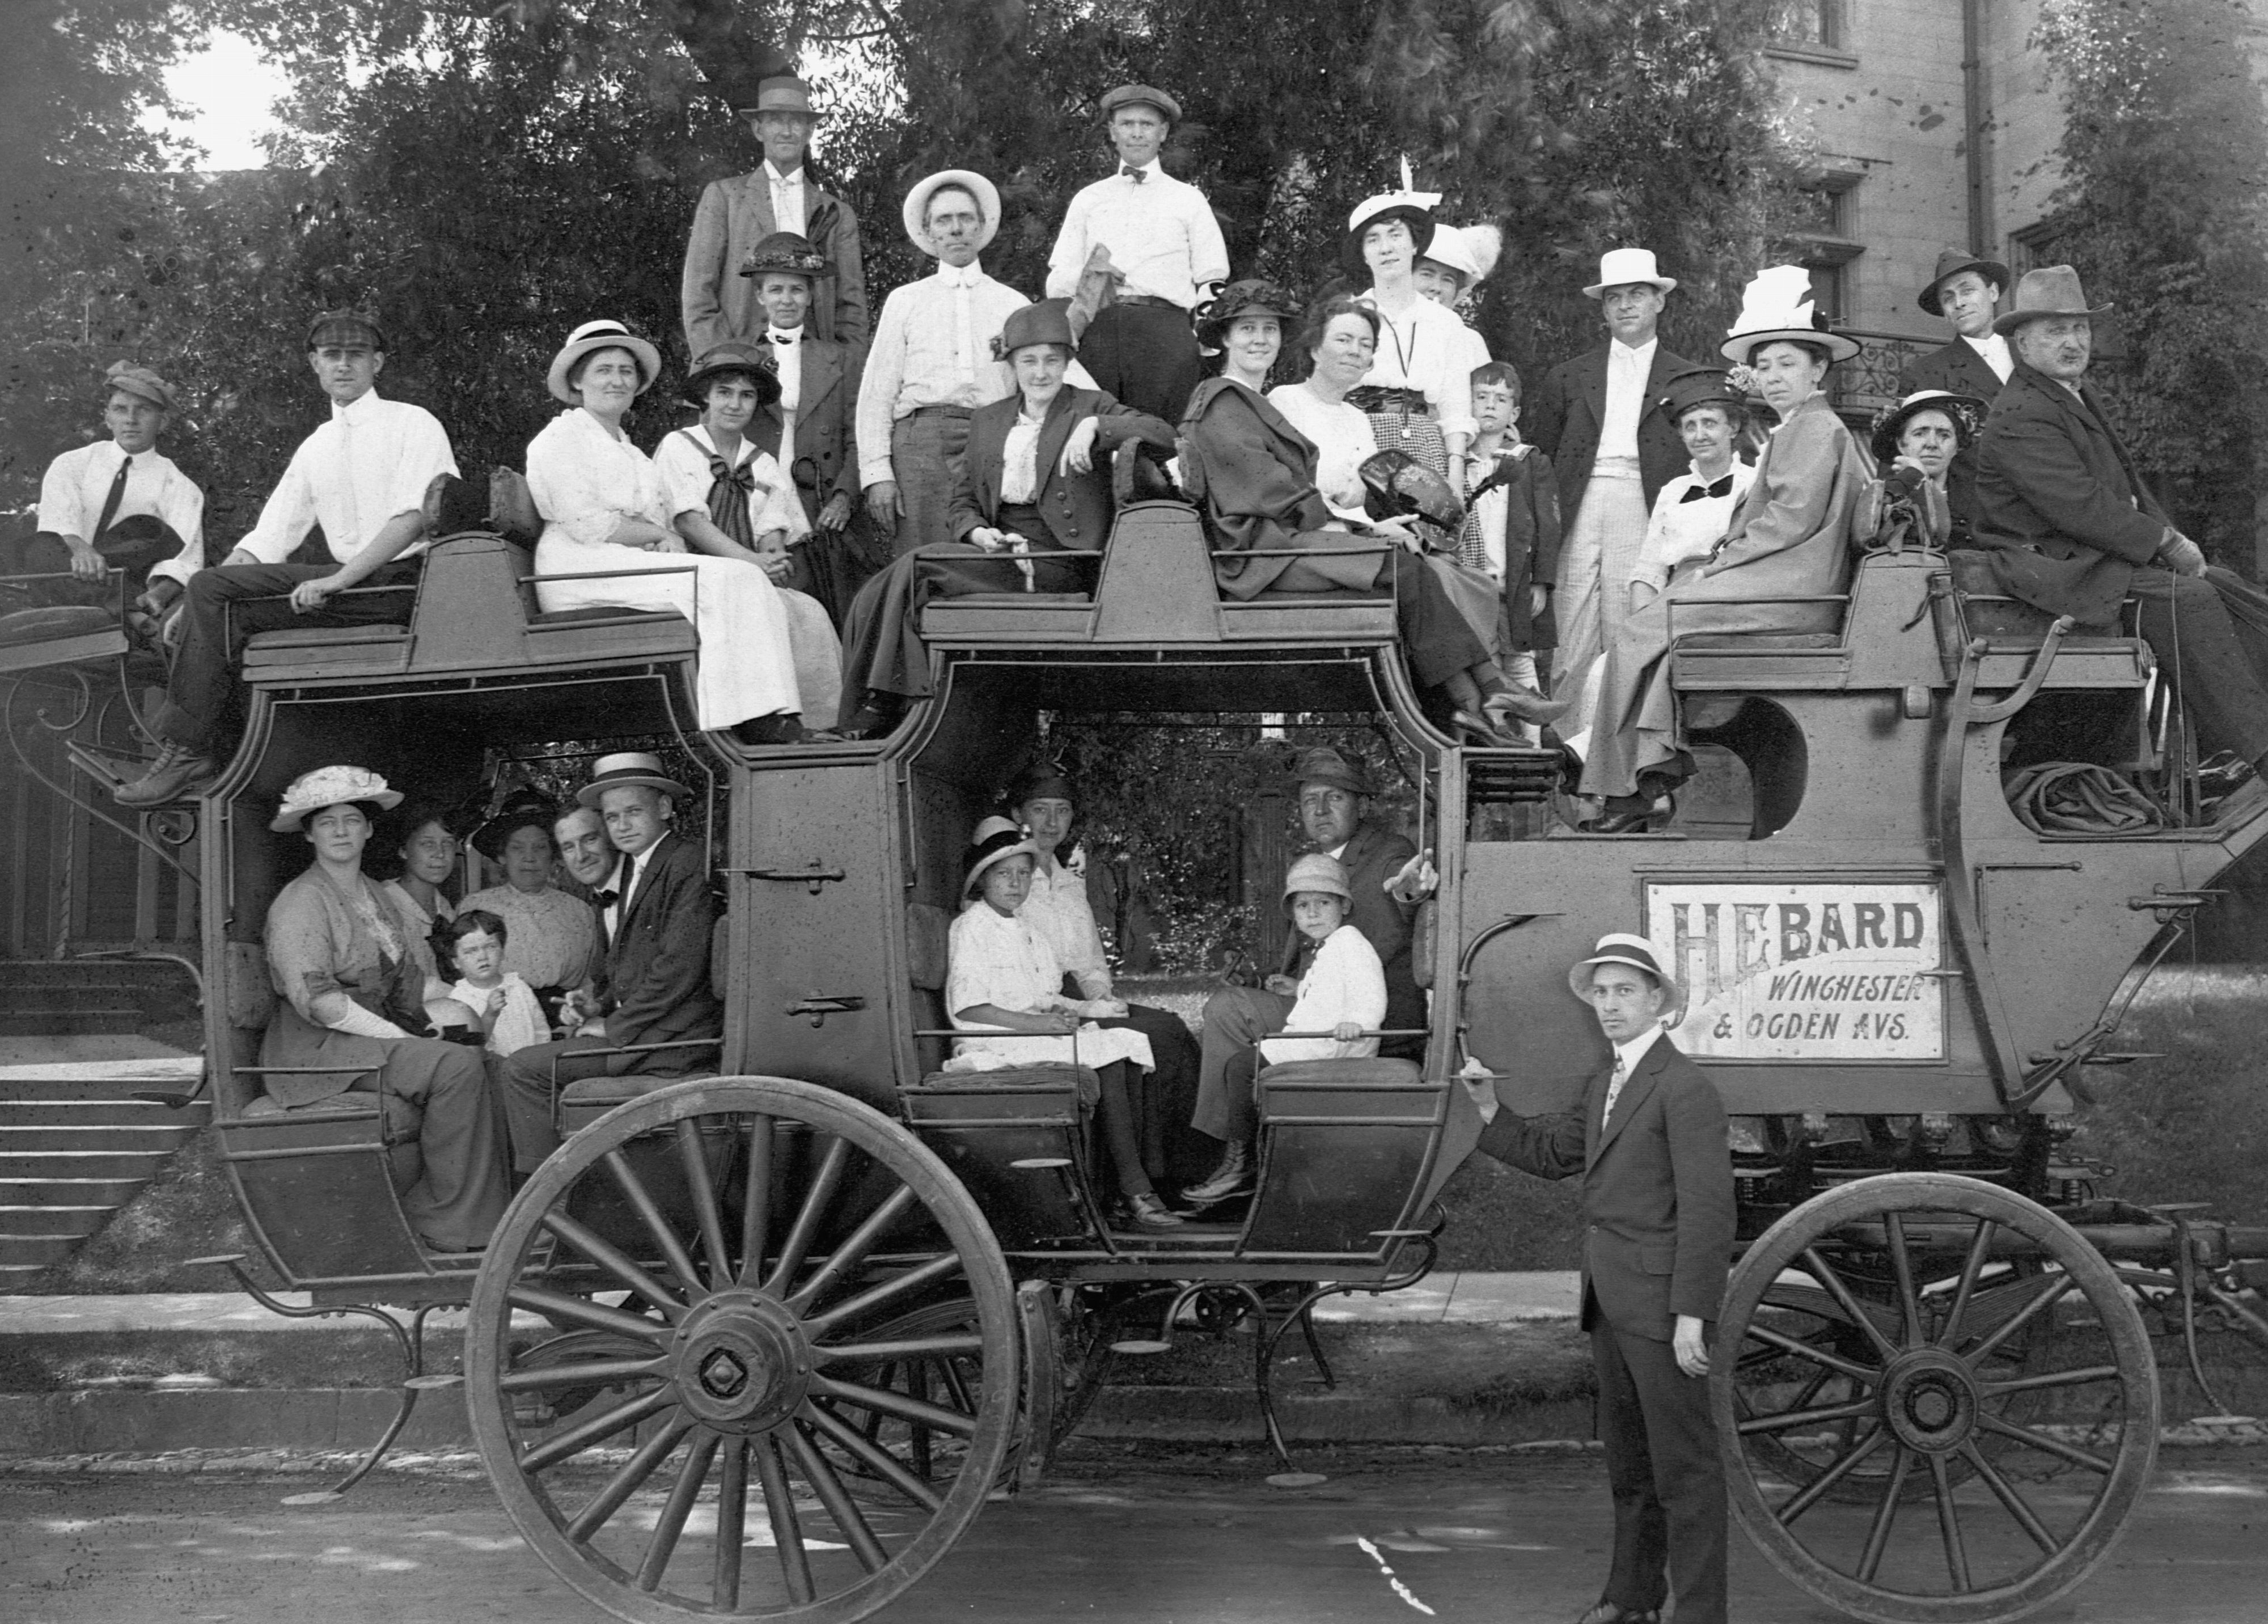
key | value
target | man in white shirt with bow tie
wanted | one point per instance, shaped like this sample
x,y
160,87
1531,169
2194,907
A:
x,y
1167,258
719,304
363,477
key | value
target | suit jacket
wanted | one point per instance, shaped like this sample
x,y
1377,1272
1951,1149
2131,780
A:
x,y
734,215
1959,368
1076,507
1657,1191
654,982
1569,408
825,443
1373,856
2067,516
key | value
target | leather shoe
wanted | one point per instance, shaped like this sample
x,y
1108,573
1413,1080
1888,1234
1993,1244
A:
x,y
174,776
1483,731
1150,1213
1608,1612
1526,705
1233,1178
1621,823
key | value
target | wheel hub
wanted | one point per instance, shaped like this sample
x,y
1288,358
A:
x,y
740,1361
1929,1399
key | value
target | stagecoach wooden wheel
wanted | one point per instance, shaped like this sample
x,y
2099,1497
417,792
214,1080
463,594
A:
x,y
1913,1360
754,1250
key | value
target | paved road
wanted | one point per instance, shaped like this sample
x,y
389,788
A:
x,y
1121,1538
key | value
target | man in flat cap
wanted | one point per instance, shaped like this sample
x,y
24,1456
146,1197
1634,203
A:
x,y
1966,291
363,477
117,504
718,303
1165,255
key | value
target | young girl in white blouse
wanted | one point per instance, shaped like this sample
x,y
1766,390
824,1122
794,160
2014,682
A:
x,y
1343,992
501,1004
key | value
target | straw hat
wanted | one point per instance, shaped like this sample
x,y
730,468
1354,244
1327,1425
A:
x,y
1777,304
1620,947
629,767
1413,208
785,94
1618,268
1317,872
1471,251
1966,412
915,212
330,786
995,841
604,334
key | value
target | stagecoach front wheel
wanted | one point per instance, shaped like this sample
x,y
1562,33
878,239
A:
x,y
1937,1401
750,1252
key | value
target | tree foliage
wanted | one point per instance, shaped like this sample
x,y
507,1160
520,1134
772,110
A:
x,y
2165,155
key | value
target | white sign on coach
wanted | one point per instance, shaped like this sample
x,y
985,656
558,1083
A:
x,y
1812,970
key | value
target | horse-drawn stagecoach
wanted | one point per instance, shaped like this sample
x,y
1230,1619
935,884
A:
x,y
763,1342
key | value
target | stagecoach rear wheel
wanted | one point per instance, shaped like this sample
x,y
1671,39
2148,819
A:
x,y
1822,1379
745,1245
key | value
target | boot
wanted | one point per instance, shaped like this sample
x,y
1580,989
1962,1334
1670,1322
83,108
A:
x,y
1233,1178
178,773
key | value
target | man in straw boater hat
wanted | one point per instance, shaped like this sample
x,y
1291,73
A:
x,y
931,362
1155,241
1966,291
113,504
2072,530
1593,417
1648,1143
364,478
736,214
655,918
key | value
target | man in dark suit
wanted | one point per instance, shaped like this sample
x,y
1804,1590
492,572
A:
x,y
1966,291
655,918
1031,512
1658,1222
2073,530
1613,455
779,195
1384,872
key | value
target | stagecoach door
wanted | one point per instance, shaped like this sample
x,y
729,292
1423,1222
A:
x,y
808,951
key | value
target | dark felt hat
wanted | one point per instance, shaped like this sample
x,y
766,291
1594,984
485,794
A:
x,y
1700,386
1253,296
788,252
2050,290
1398,483
1047,322
522,809
756,360
1323,765
1950,264
1041,781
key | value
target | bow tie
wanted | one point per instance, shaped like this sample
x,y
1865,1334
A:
x,y
1722,487
1138,176
787,338
604,898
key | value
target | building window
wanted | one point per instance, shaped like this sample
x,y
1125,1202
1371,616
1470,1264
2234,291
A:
x,y
1817,24
2038,244
1818,229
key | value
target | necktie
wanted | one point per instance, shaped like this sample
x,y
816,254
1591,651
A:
x,y
1614,1090
116,495
1138,176
1722,487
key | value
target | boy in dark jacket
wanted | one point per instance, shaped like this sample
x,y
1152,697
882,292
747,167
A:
x,y
1512,524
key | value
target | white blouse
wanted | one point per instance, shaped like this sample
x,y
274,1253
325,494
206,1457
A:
x,y
586,481
1681,531
1342,439
1427,348
1058,908
682,460
1002,960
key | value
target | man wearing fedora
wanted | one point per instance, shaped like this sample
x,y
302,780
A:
x,y
735,215
2073,529
1592,416
1165,254
1648,1143
655,918
1966,291
363,477
1387,881
115,503
1030,512
931,362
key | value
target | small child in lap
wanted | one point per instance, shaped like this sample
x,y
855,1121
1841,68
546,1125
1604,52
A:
x,y
504,1005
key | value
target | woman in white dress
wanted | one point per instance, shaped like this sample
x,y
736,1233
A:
x,y
1003,990
1419,390
604,509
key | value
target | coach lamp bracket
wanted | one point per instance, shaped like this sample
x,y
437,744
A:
x,y
819,1006
812,875
2169,906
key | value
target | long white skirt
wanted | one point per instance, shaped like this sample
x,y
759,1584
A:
x,y
818,656
746,664
1092,1046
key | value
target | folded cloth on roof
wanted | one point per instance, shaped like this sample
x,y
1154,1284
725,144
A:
x,y
2080,798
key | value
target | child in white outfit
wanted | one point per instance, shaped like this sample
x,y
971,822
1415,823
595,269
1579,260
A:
x,y
1343,992
502,1004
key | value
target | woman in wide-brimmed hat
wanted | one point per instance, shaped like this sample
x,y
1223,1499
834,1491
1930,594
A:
x,y
352,996
1916,441
604,510
1789,539
1419,390
1003,992
552,942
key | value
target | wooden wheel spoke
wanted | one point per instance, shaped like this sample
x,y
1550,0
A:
x,y
671,1526
603,1371
1948,1525
877,1459
902,1348
579,1437
779,1511
1832,1283
849,1519
706,1212
2010,1500
851,1310
1886,1512
644,1462
580,1311
816,1201
905,1406
658,1228
956,1385
1786,1419
1818,1356
1901,1269
732,1522
854,1250
1972,1267
2042,1442
1811,1493
2078,1376
616,1262
2050,1293
756,1199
